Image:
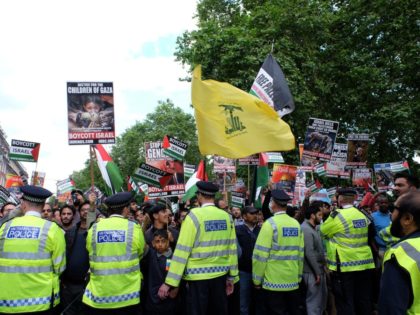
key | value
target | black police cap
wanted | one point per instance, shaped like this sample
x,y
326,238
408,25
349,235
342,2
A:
x,y
207,188
119,200
280,195
35,194
347,192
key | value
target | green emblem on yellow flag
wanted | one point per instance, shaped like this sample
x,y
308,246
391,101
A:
x,y
235,124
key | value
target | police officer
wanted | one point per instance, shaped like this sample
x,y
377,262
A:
x,y
349,256
400,289
277,260
205,256
32,256
115,247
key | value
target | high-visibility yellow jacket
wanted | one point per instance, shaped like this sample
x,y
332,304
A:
x,y
277,260
206,247
347,233
407,254
115,247
32,257
387,237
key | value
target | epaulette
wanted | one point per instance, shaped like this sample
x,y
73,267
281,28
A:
x,y
333,213
4,220
367,215
134,221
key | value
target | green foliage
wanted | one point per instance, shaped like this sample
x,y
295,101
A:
x,y
351,61
128,152
167,119
82,178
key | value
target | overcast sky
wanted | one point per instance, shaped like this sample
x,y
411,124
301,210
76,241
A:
x,y
44,44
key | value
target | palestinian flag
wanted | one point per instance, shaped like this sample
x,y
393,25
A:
x,y
190,186
109,170
174,148
320,169
261,179
132,186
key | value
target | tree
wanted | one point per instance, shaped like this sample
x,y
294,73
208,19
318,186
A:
x,y
167,119
128,151
344,60
82,178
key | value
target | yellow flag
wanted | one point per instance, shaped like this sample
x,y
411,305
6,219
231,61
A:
x,y
235,124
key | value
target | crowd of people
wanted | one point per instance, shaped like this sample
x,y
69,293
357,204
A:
x,y
329,256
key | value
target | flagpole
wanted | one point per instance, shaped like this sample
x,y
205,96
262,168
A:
x,y
249,177
35,177
224,186
92,155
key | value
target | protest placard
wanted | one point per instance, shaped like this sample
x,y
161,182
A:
x,y
319,139
156,157
250,160
337,165
357,153
25,151
90,108
384,173
284,177
174,148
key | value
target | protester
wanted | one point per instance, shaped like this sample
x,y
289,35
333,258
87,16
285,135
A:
x,y
47,213
400,291
155,266
139,217
205,256
67,213
57,216
115,247
277,260
160,218
349,256
404,183
314,261
74,278
381,220
31,265
6,208
247,235
236,215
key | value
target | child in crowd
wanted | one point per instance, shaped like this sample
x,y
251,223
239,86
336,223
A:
x,y
155,266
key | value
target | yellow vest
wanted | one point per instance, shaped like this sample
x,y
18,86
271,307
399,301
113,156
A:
x,y
115,247
32,257
347,233
206,247
387,237
407,254
277,260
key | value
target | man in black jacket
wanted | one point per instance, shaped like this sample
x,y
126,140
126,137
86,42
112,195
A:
x,y
73,279
247,234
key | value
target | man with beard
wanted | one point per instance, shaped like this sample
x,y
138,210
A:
x,y
400,290
66,215
247,235
314,262
47,212
236,215
349,256
73,280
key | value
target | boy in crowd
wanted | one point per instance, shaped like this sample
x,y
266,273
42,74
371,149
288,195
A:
x,y
155,267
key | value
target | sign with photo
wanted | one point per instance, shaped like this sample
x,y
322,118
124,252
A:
x,y
90,110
